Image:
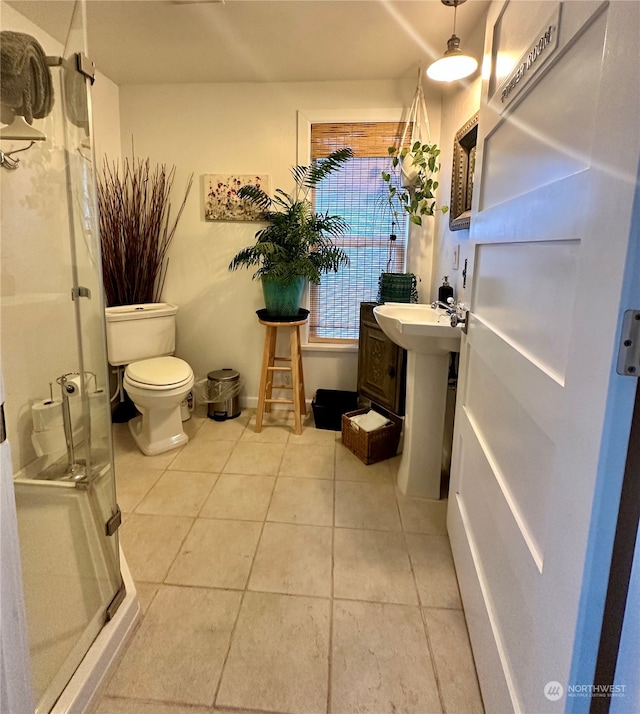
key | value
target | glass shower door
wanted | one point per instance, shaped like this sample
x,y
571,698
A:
x,y
53,334
96,448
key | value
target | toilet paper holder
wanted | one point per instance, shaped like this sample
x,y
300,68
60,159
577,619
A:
x,y
71,387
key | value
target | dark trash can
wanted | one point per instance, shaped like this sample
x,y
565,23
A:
x,y
329,405
223,388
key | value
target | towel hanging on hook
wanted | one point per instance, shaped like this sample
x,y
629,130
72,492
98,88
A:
x,y
26,86
26,91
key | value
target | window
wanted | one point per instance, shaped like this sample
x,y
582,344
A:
x,y
357,193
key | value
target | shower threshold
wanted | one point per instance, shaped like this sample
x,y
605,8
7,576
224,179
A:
x,y
76,472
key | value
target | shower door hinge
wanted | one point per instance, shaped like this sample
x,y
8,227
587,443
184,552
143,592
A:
x,y
112,525
3,426
116,602
86,67
629,348
80,292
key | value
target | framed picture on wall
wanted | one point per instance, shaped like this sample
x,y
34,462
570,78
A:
x,y
464,164
221,200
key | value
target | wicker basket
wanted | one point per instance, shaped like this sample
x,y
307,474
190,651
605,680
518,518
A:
x,y
371,446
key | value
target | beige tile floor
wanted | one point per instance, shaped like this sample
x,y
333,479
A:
x,y
278,573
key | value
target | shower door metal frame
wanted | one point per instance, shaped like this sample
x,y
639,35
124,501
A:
x,y
91,499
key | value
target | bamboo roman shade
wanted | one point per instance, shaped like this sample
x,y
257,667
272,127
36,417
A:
x,y
357,193
366,140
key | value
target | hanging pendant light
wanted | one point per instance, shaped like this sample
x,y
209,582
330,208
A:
x,y
455,64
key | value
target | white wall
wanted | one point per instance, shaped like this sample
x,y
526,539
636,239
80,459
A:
x,y
240,128
105,101
457,108
459,103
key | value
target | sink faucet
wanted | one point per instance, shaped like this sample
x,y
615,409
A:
x,y
457,311
448,306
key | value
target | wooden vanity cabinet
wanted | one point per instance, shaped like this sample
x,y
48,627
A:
x,y
382,371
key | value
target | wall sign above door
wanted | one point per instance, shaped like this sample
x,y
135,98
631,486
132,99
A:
x,y
542,47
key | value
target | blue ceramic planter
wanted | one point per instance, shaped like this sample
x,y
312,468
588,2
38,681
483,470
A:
x,y
282,299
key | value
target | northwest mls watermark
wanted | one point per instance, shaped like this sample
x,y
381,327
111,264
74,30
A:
x,y
554,690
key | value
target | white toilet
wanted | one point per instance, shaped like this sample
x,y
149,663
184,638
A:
x,y
143,337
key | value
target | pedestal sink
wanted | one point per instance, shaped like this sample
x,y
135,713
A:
x,y
428,337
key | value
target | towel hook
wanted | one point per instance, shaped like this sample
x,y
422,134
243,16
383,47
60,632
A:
x,y
7,160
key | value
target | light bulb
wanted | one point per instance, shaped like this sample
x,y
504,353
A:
x,y
452,67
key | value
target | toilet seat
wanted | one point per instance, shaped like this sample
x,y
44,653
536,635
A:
x,y
158,373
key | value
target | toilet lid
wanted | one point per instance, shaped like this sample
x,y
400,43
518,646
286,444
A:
x,y
159,372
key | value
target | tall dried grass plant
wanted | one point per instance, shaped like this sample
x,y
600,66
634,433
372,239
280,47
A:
x,y
136,229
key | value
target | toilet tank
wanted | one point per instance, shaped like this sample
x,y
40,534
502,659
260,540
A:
x,y
136,332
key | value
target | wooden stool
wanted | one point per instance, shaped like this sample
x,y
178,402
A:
x,y
269,369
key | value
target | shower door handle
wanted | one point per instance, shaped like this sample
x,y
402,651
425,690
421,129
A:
x,y
79,292
112,525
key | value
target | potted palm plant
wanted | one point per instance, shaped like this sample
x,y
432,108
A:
x,y
296,246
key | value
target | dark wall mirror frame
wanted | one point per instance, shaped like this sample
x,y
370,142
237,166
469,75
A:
x,y
464,164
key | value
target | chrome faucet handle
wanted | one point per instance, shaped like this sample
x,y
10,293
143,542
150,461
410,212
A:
x,y
459,316
437,303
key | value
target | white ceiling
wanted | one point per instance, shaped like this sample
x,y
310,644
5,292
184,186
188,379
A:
x,y
167,41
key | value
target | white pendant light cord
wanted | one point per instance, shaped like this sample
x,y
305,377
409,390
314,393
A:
x,y
454,64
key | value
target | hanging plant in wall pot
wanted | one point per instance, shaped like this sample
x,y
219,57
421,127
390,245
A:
x,y
409,171
418,167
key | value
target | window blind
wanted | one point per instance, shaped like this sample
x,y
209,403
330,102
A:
x,y
357,193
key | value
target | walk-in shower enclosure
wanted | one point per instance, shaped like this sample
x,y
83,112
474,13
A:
x,y
55,374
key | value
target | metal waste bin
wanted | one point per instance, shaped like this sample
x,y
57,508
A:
x,y
223,387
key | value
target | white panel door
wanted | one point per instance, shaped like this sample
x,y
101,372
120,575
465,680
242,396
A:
x,y
539,400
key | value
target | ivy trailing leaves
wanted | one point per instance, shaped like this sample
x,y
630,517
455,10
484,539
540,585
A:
x,y
418,166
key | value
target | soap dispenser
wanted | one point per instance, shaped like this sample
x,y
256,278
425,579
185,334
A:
x,y
445,290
